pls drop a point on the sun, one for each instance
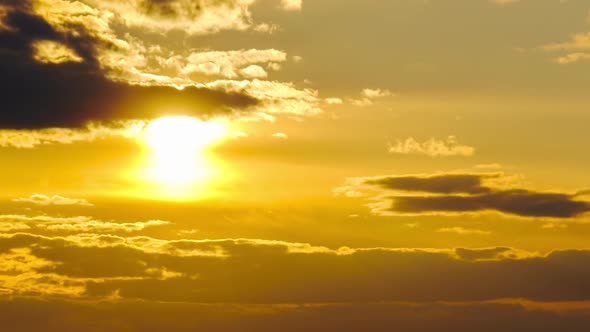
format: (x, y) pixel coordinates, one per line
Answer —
(177, 153)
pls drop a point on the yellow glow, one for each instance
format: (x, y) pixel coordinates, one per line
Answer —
(178, 164)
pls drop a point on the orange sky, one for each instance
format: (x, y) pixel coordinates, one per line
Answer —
(278, 165)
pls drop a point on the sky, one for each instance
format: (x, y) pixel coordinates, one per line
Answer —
(289, 165)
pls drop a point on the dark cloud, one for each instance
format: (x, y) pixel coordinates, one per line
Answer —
(36, 95)
(487, 253)
(25, 315)
(440, 184)
(266, 272)
(518, 202)
(463, 193)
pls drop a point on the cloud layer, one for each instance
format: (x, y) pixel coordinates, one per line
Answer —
(81, 69)
(454, 193)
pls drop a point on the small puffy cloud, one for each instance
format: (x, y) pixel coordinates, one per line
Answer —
(227, 64)
(456, 193)
(46, 51)
(375, 93)
(463, 231)
(368, 97)
(45, 200)
(280, 135)
(292, 5)
(432, 147)
(254, 71)
(333, 101)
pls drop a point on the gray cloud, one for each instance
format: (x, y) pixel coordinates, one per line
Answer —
(464, 193)
(116, 316)
(70, 94)
(264, 272)
(439, 184)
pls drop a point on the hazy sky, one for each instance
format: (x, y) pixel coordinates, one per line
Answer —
(289, 165)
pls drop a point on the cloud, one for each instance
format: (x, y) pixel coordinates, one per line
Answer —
(225, 64)
(280, 135)
(46, 51)
(375, 93)
(572, 58)
(463, 231)
(293, 5)
(92, 226)
(115, 315)
(76, 224)
(250, 271)
(432, 147)
(26, 139)
(6, 227)
(189, 16)
(368, 96)
(187, 284)
(437, 184)
(456, 193)
(45, 200)
(70, 95)
(254, 71)
(574, 50)
(333, 101)
(81, 69)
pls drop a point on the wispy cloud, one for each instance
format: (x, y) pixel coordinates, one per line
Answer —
(45, 200)
(432, 147)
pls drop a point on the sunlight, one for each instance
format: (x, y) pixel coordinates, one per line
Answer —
(178, 163)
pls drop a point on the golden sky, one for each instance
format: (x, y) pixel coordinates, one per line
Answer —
(293, 165)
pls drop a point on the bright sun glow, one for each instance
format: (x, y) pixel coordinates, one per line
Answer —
(178, 160)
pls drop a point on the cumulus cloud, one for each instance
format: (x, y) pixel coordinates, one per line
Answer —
(456, 193)
(81, 69)
(225, 64)
(254, 71)
(368, 96)
(45, 200)
(190, 16)
(432, 147)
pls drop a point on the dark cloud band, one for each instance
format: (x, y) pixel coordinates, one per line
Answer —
(466, 193)
(36, 95)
